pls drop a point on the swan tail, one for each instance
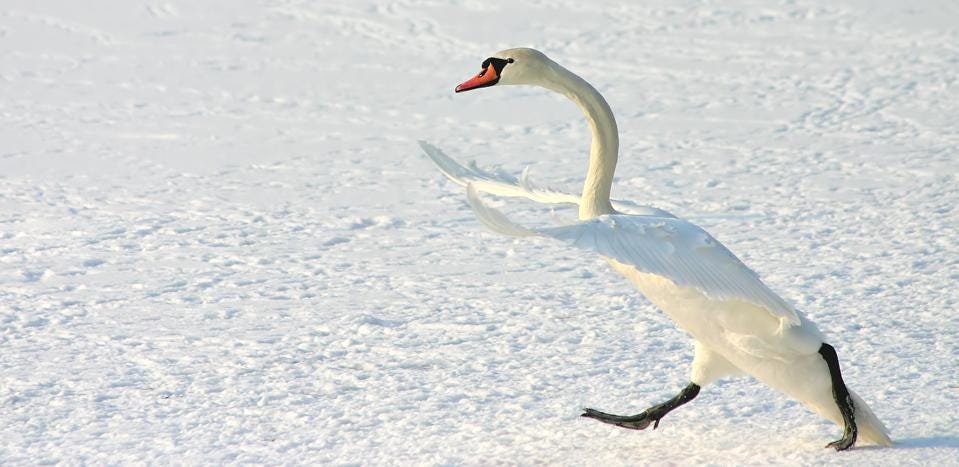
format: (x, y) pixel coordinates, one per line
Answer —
(499, 184)
(493, 219)
(871, 429)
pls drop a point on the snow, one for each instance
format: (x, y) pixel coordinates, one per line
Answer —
(220, 242)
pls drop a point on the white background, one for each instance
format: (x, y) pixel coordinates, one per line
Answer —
(219, 242)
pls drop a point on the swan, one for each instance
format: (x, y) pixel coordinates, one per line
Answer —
(739, 325)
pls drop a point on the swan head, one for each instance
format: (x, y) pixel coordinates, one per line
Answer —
(510, 66)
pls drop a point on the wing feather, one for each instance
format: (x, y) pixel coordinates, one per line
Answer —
(668, 247)
(501, 184)
(674, 249)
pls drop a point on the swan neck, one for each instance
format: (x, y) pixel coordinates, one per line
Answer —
(604, 148)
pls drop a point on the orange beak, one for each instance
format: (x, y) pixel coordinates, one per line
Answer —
(487, 77)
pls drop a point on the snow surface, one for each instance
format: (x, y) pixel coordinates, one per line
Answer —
(220, 243)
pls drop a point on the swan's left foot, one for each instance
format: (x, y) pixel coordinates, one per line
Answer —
(843, 400)
(639, 421)
(649, 416)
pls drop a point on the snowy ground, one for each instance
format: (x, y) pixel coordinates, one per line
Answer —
(220, 243)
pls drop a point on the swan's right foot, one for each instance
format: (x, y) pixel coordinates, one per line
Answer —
(846, 442)
(843, 400)
(649, 416)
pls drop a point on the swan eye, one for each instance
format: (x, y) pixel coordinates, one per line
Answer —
(484, 66)
(498, 63)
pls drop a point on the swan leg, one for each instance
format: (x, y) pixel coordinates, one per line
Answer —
(843, 400)
(709, 366)
(651, 415)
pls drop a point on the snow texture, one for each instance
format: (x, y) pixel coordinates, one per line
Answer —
(221, 244)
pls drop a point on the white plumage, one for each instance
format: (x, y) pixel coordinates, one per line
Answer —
(501, 184)
(665, 246)
(738, 323)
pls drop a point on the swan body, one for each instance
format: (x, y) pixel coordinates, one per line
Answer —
(739, 325)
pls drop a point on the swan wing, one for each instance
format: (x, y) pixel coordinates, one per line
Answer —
(502, 184)
(677, 250)
(499, 184)
(665, 246)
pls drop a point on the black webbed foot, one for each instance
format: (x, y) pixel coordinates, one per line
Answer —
(649, 416)
(846, 442)
(639, 421)
(843, 400)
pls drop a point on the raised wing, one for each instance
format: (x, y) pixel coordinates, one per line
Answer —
(502, 184)
(666, 246)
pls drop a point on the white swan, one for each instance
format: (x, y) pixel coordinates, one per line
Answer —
(739, 325)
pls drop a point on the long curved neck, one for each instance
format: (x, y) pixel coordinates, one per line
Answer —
(603, 150)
